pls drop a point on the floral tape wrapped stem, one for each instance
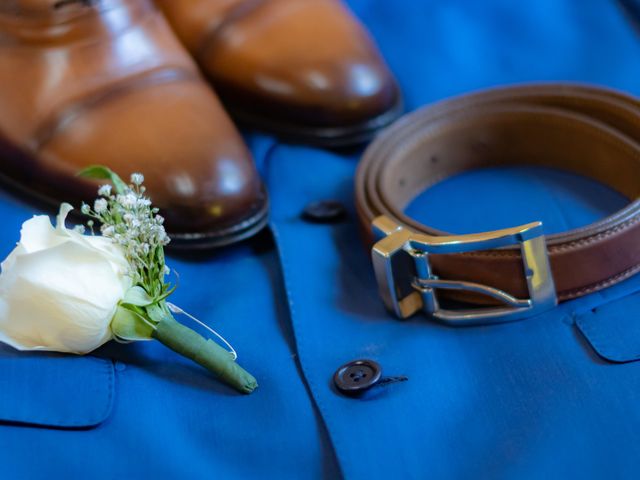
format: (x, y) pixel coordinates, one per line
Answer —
(204, 352)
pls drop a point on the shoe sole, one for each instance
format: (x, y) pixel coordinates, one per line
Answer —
(324, 137)
(242, 230)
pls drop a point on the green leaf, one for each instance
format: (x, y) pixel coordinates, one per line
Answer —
(128, 325)
(101, 172)
(166, 294)
(137, 296)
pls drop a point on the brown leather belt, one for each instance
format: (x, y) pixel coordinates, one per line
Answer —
(517, 272)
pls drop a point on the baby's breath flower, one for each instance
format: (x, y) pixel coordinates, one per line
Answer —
(137, 179)
(129, 220)
(127, 201)
(79, 229)
(100, 205)
(105, 190)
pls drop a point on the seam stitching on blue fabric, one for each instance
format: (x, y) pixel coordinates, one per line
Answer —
(299, 342)
(268, 154)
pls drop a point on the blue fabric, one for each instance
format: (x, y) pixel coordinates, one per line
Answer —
(613, 329)
(48, 379)
(522, 400)
(497, 198)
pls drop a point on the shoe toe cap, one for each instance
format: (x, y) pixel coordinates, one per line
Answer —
(196, 167)
(308, 62)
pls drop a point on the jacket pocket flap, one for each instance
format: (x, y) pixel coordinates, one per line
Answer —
(613, 330)
(53, 390)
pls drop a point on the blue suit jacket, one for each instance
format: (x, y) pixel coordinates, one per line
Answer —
(555, 396)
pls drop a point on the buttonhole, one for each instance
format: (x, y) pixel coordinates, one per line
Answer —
(385, 381)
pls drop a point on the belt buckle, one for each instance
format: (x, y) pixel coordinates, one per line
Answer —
(407, 285)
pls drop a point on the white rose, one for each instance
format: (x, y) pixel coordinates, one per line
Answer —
(60, 289)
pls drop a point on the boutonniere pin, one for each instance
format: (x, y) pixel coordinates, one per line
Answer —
(66, 291)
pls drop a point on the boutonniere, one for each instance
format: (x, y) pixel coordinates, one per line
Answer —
(68, 291)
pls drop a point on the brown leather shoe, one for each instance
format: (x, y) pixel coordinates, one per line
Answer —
(110, 84)
(305, 69)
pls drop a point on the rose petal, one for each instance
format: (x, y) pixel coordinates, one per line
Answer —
(59, 290)
(38, 233)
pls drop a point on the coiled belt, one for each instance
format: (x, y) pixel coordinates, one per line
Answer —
(513, 273)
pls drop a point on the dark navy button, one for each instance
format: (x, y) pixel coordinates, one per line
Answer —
(358, 376)
(324, 211)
